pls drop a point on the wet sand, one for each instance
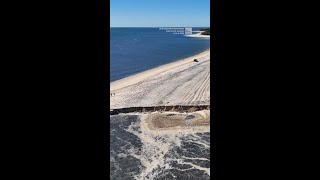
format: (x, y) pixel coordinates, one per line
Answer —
(140, 150)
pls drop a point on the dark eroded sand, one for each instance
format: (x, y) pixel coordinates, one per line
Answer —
(142, 149)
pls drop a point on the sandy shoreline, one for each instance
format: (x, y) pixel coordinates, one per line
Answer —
(183, 82)
(198, 35)
(130, 80)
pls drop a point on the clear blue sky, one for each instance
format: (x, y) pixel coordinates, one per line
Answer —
(160, 13)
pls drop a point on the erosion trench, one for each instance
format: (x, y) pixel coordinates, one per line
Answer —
(170, 117)
(177, 108)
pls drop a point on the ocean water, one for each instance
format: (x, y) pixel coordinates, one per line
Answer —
(134, 50)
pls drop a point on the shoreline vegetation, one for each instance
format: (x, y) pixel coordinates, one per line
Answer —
(206, 31)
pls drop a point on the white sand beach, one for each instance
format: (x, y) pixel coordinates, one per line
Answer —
(198, 35)
(183, 82)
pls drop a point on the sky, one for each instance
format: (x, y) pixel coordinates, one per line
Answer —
(159, 13)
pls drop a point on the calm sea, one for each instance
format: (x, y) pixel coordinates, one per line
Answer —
(134, 50)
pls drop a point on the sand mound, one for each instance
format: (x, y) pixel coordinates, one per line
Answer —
(170, 120)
